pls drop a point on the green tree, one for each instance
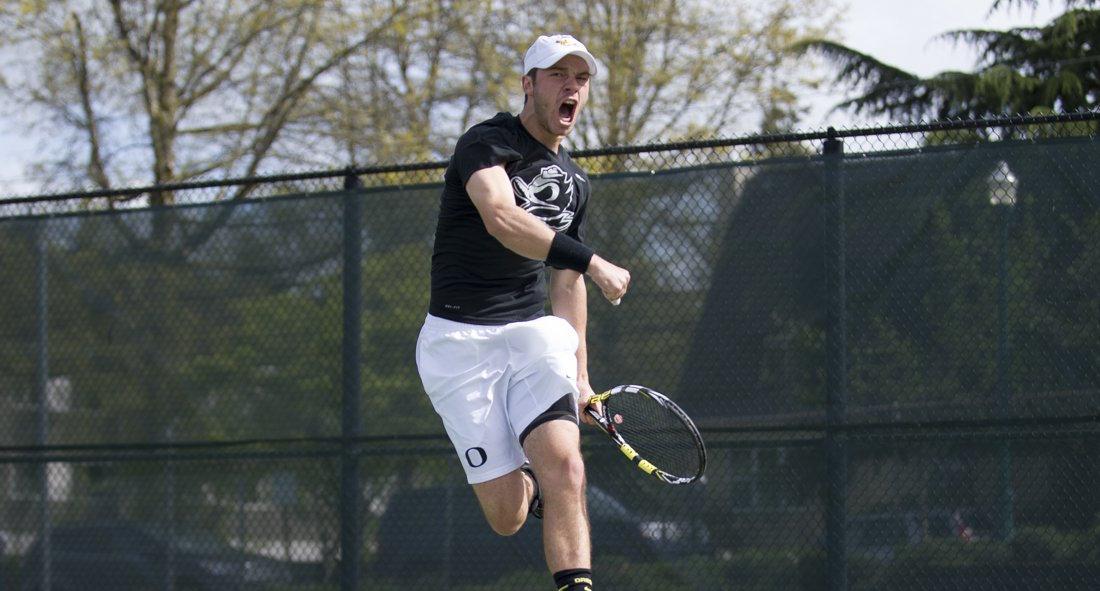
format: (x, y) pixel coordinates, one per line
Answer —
(673, 69)
(175, 90)
(1049, 68)
(171, 91)
(439, 67)
(679, 68)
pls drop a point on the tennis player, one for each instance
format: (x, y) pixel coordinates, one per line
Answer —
(505, 377)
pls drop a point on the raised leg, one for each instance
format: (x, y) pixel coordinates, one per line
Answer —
(555, 454)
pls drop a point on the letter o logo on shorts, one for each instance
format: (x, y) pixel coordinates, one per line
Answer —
(475, 457)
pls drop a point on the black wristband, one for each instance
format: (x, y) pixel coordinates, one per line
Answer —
(568, 253)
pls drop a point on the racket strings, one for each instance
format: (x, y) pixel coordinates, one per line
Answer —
(656, 432)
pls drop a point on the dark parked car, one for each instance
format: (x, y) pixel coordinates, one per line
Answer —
(441, 532)
(121, 556)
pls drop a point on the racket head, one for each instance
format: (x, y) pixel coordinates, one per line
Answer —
(655, 428)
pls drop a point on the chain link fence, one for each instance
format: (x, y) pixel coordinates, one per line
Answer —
(889, 337)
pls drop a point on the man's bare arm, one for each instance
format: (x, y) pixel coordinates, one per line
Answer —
(516, 229)
(526, 235)
(569, 300)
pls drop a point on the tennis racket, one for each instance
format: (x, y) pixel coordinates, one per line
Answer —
(652, 432)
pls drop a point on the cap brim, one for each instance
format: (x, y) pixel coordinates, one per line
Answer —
(555, 58)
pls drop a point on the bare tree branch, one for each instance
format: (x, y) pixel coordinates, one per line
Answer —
(272, 123)
(97, 171)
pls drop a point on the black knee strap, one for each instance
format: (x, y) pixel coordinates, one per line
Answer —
(561, 409)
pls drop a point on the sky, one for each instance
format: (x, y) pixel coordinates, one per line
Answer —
(898, 32)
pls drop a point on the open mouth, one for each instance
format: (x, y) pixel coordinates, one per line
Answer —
(567, 111)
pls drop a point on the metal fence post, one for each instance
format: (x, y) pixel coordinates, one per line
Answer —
(1005, 525)
(836, 453)
(352, 424)
(41, 393)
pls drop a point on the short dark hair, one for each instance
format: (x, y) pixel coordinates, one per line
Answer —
(532, 74)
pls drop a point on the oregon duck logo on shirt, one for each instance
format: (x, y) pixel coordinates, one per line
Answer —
(548, 196)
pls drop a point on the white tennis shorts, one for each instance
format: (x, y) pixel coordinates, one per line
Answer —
(488, 383)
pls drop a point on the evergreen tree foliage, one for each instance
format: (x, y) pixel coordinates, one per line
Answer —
(1053, 68)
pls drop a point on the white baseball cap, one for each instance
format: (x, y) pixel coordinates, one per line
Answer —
(548, 50)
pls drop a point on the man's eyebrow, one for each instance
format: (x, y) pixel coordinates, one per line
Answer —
(566, 70)
(578, 74)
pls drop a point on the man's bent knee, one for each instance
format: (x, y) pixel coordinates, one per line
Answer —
(564, 475)
(554, 449)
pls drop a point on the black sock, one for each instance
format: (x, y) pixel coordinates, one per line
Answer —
(574, 579)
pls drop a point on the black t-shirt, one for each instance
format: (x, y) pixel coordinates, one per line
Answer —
(475, 279)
